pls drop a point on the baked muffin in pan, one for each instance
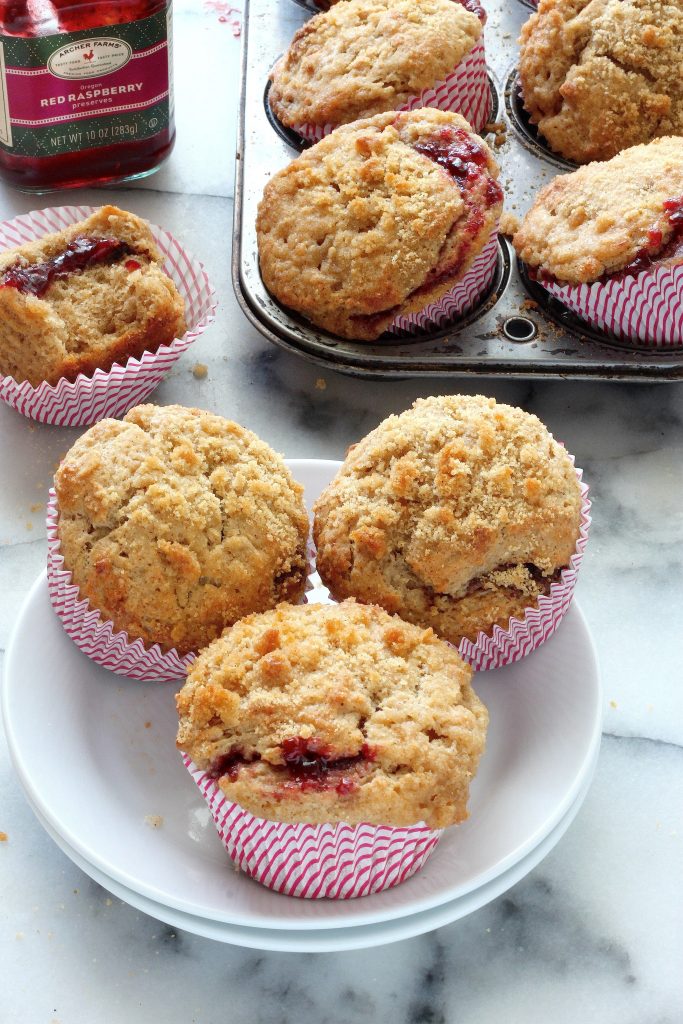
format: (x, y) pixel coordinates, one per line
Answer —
(378, 220)
(599, 76)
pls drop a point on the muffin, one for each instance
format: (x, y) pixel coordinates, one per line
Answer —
(335, 713)
(458, 514)
(378, 220)
(608, 240)
(364, 57)
(598, 76)
(85, 298)
(174, 523)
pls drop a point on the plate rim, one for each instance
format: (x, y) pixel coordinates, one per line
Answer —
(510, 878)
(360, 920)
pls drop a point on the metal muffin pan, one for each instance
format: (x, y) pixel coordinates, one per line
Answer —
(518, 330)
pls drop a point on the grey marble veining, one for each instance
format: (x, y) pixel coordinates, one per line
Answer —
(595, 932)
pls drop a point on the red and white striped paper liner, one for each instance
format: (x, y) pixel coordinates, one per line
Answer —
(96, 636)
(315, 861)
(112, 392)
(465, 91)
(524, 635)
(461, 298)
(646, 308)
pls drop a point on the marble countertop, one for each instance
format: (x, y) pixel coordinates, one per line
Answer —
(595, 932)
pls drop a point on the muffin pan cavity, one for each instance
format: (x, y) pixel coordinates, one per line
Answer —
(525, 131)
(519, 330)
(568, 321)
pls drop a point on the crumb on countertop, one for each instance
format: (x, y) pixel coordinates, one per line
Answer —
(200, 371)
(321, 384)
(148, 725)
(3, 837)
(613, 704)
(154, 820)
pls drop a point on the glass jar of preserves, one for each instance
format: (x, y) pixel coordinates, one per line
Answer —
(86, 91)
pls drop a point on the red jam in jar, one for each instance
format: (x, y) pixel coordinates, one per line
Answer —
(86, 91)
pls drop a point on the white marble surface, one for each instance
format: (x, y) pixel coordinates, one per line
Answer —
(595, 932)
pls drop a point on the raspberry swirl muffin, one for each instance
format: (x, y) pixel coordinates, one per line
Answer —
(615, 218)
(174, 523)
(378, 220)
(335, 713)
(458, 514)
(608, 241)
(598, 76)
(364, 57)
(84, 298)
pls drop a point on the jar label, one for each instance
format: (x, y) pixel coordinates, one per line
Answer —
(78, 90)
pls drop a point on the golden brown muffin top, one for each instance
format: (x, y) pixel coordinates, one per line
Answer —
(440, 510)
(601, 75)
(326, 713)
(175, 522)
(379, 218)
(367, 56)
(598, 219)
(84, 298)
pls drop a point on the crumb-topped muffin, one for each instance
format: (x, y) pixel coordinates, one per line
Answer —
(598, 76)
(175, 522)
(618, 217)
(457, 514)
(329, 713)
(85, 298)
(363, 57)
(377, 220)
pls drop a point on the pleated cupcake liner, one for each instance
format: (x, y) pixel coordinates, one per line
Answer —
(315, 861)
(460, 299)
(97, 637)
(646, 309)
(112, 392)
(526, 634)
(465, 91)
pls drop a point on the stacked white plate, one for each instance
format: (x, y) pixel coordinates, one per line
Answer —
(96, 756)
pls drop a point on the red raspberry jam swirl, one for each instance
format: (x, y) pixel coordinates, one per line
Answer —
(462, 156)
(309, 766)
(82, 252)
(649, 256)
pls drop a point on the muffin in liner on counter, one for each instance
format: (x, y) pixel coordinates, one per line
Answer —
(96, 305)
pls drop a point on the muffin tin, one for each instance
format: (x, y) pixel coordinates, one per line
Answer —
(518, 330)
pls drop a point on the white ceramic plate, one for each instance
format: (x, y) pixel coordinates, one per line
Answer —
(96, 755)
(333, 940)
